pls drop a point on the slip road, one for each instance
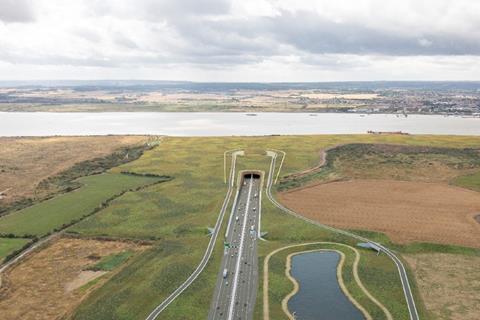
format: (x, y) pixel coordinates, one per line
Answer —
(236, 288)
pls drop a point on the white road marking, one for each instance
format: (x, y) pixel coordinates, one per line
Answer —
(240, 250)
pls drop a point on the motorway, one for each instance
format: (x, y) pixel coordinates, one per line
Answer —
(237, 283)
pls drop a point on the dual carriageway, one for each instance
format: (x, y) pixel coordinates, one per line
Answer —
(237, 281)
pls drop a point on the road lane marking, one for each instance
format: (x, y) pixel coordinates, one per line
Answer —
(240, 250)
(227, 258)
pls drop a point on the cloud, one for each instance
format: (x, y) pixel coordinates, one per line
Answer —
(310, 32)
(16, 11)
(331, 37)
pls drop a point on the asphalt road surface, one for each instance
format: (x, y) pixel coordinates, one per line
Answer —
(236, 288)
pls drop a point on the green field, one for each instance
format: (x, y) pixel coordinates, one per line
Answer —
(53, 214)
(176, 214)
(9, 245)
(110, 262)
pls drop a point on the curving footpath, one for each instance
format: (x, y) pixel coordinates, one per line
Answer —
(208, 253)
(412, 309)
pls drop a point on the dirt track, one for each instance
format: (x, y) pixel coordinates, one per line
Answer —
(405, 211)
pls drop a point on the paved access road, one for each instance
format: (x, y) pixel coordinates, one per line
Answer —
(236, 289)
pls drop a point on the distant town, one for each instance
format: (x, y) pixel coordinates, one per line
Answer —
(402, 98)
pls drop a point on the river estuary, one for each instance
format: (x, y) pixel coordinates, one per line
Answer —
(226, 124)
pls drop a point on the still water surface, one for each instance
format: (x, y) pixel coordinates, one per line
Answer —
(225, 124)
(320, 296)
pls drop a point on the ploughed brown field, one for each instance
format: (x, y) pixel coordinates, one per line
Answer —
(405, 211)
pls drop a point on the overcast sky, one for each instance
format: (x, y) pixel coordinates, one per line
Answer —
(240, 40)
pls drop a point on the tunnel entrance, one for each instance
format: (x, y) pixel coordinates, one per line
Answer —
(252, 175)
(249, 174)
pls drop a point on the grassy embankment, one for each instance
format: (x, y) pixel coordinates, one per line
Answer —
(178, 213)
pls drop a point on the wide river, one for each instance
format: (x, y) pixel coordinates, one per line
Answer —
(225, 124)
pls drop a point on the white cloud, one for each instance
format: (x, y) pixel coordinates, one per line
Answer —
(240, 40)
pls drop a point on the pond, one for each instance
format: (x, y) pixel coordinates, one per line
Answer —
(320, 296)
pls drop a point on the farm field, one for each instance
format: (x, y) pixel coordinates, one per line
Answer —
(449, 283)
(60, 211)
(405, 211)
(50, 282)
(27, 161)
